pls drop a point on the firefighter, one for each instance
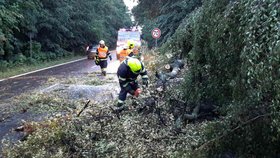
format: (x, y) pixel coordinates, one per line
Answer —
(133, 49)
(102, 53)
(127, 73)
(136, 52)
(130, 45)
(123, 54)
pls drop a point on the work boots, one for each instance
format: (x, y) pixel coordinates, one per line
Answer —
(104, 73)
(119, 108)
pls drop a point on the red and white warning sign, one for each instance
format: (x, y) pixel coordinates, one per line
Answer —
(156, 33)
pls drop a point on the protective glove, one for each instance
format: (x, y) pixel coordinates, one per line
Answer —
(132, 92)
(137, 92)
(145, 82)
(129, 89)
(97, 61)
(110, 57)
(134, 83)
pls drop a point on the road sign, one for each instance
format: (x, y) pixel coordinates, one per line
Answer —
(156, 33)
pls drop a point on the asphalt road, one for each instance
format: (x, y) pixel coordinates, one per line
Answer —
(16, 86)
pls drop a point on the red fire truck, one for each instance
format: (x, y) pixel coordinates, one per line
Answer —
(128, 34)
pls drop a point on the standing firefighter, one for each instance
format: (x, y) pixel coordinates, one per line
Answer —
(102, 54)
(127, 73)
(136, 52)
(122, 54)
(130, 44)
(134, 49)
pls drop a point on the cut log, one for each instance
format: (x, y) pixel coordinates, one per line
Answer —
(202, 110)
(161, 76)
(174, 73)
(175, 68)
(178, 63)
(167, 66)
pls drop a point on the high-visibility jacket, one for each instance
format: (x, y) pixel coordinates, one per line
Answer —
(129, 51)
(103, 52)
(126, 76)
(123, 54)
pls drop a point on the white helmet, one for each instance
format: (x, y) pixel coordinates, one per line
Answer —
(102, 42)
(125, 47)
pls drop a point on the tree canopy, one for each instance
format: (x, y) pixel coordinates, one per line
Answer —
(166, 15)
(232, 49)
(56, 28)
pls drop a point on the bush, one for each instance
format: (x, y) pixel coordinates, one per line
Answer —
(19, 59)
(31, 61)
(4, 65)
(40, 57)
(233, 55)
(50, 56)
(48, 141)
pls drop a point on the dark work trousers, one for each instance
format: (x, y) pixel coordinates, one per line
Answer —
(123, 92)
(103, 64)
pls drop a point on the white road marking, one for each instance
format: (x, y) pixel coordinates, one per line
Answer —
(42, 69)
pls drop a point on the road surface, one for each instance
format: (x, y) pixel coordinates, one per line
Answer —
(16, 86)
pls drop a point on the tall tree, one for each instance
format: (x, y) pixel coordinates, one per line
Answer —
(164, 14)
(47, 29)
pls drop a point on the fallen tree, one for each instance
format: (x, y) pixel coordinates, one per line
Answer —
(181, 111)
(173, 70)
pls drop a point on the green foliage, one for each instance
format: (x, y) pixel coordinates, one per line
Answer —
(233, 55)
(97, 132)
(166, 15)
(34, 28)
(9, 18)
(147, 10)
(53, 145)
(173, 14)
(3, 65)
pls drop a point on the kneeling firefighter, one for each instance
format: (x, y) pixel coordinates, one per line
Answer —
(102, 53)
(127, 73)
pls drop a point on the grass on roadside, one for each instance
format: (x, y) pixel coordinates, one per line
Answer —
(27, 68)
(98, 132)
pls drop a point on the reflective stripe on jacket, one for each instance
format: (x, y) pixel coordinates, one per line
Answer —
(102, 52)
(126, 76)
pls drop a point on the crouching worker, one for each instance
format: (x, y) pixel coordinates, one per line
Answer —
(127, 73)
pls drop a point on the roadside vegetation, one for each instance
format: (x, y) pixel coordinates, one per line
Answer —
(147, 128)
(34, 31)
(24, 68)
(232, 48)
(224, 102)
